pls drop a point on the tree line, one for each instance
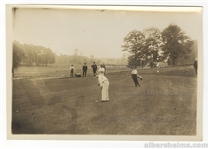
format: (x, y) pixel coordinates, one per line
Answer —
(151, 45)
(28, 55)
(80, 60)
(33, 55)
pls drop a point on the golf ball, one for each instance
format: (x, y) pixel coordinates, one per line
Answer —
(96, 100)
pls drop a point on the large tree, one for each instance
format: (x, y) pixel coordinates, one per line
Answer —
(143, 46)
(153, 44)
(134, 44)
(176, 43)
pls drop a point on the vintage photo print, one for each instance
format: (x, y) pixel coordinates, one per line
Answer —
(104, 72)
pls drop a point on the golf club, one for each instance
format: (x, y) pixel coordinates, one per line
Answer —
(98, 99)
(99, 94)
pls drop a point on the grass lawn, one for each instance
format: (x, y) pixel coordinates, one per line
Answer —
(52, 71)
(165, 104)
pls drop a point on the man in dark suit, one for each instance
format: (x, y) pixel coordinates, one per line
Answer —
(84, 69)
(94, 67)
(195, 65)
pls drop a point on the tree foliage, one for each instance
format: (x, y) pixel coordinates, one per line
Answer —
(176, 43)
(143, 46)
(135, 45)
(28, 54)
(18, 55)
(152, 45)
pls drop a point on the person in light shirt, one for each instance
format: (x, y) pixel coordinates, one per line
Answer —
(101, 70)
(134, 77)
(71, 71)
(104, 84)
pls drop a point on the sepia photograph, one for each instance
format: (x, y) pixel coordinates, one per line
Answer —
(105, 71)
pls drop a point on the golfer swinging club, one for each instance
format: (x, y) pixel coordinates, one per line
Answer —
(104, 84)
(134, 77)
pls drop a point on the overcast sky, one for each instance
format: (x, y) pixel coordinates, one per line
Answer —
(94, 32)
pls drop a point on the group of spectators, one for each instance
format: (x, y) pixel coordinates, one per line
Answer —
(85, 68)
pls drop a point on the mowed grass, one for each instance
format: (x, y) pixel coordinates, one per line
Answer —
(53, 71)
(63, 71)
(165, 104)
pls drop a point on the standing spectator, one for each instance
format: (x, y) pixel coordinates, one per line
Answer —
(84, 69)
(152, 64)
(71, 71)
(195, 65)
(94, 67)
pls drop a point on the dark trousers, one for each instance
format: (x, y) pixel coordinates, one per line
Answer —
(94, 71)
(71, 74)
(134, 77)
(196, 70)
(84, 72)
